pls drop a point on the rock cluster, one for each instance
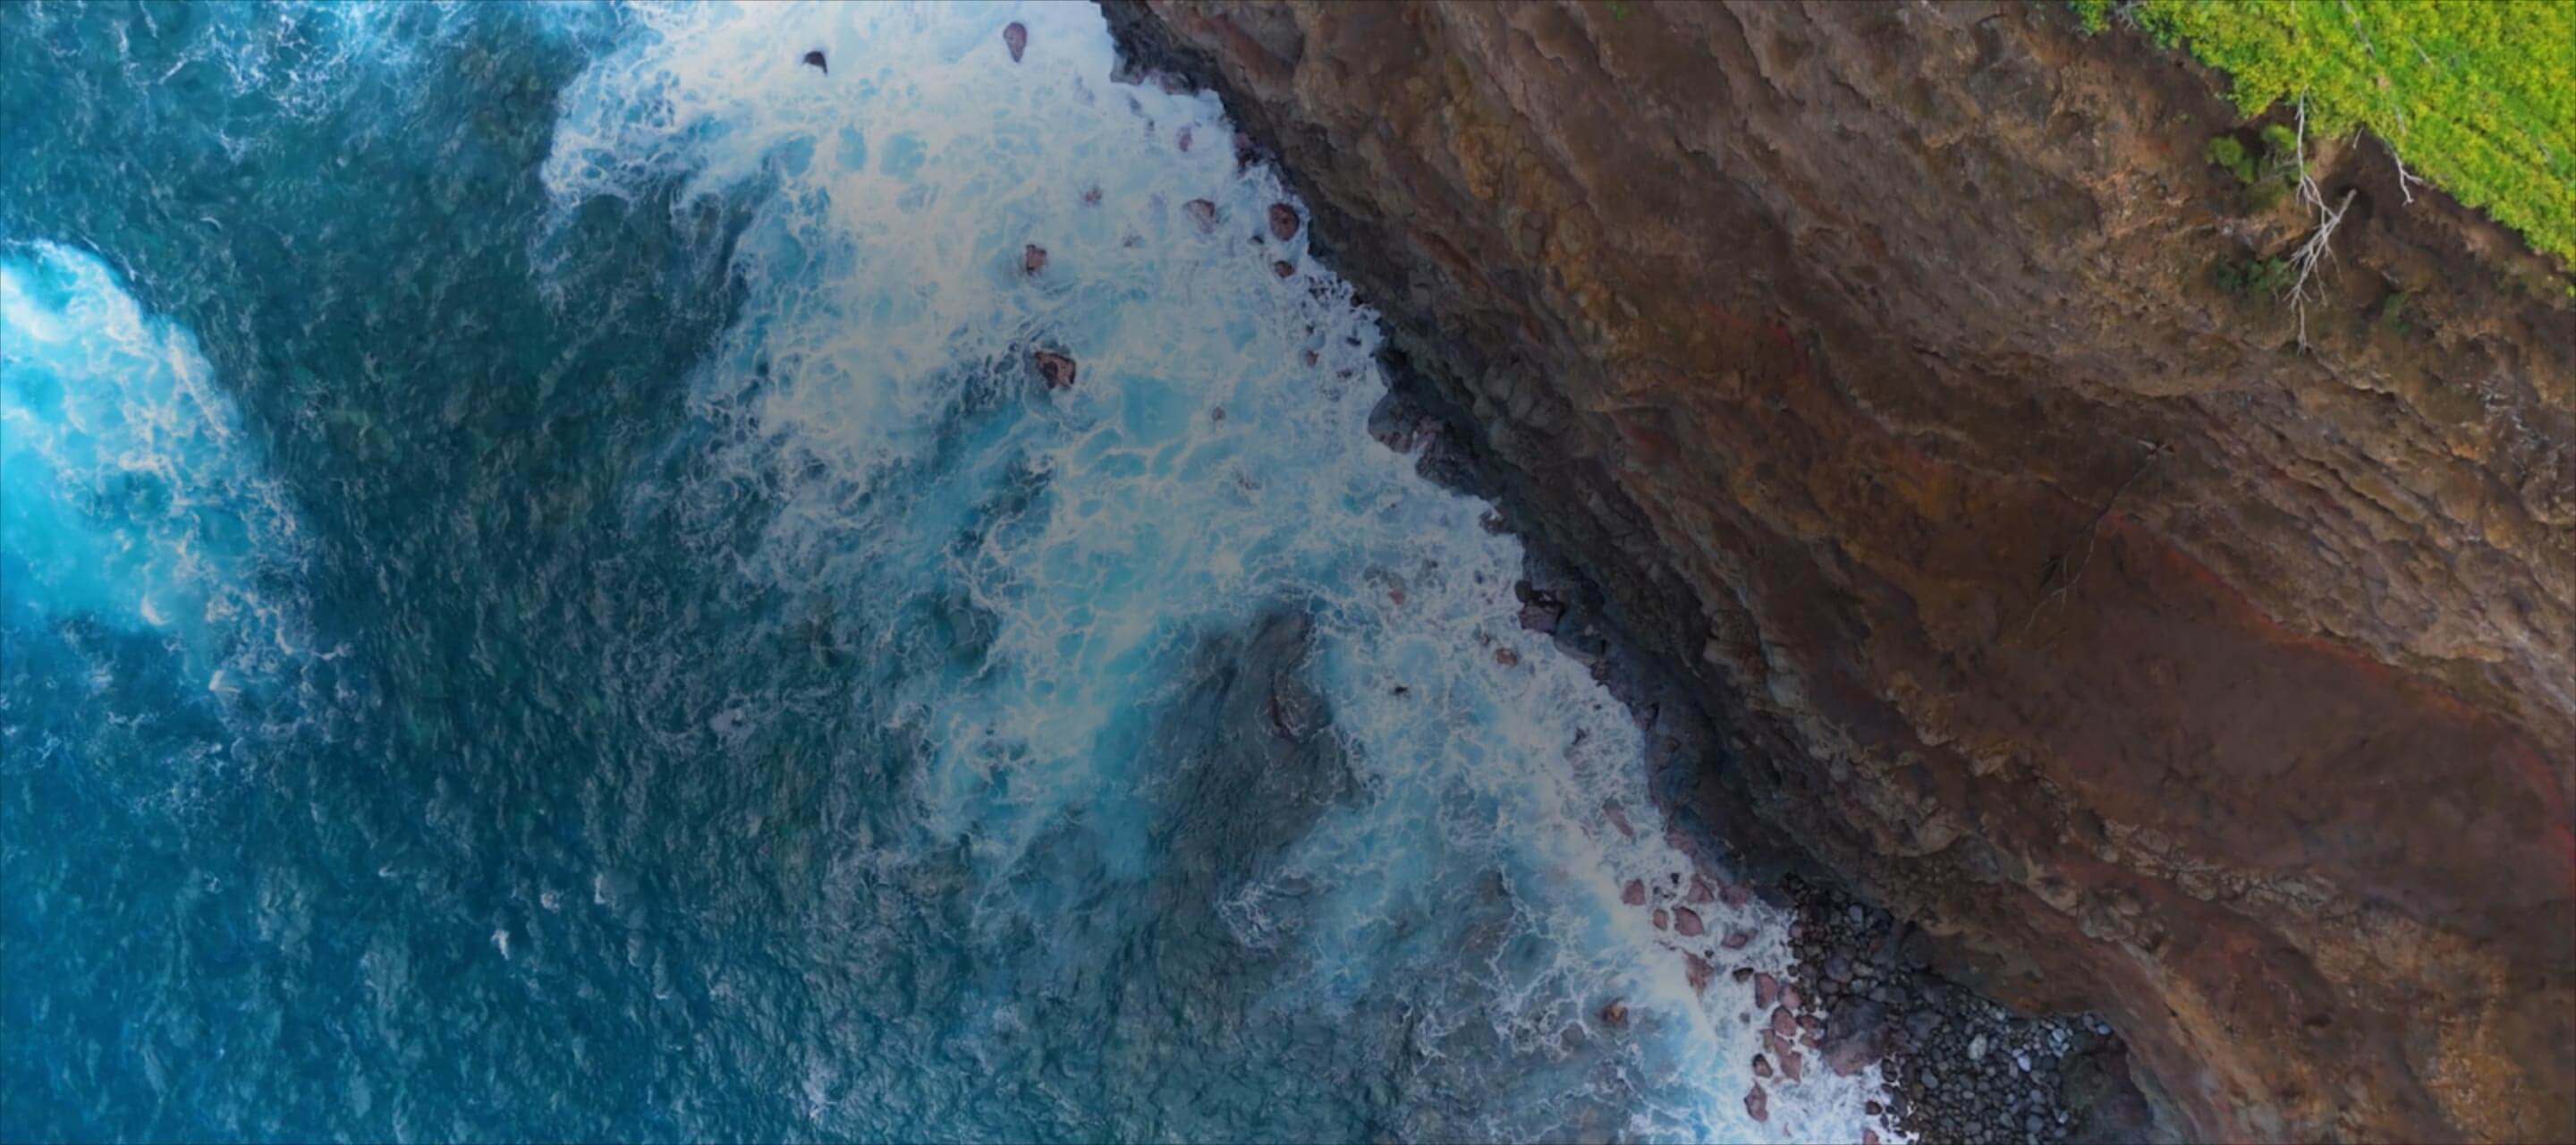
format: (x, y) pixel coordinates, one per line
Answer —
(1958, 1067)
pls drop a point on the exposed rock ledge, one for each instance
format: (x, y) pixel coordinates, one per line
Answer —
(1875, 359)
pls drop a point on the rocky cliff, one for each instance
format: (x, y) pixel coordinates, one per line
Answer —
(1907, 376)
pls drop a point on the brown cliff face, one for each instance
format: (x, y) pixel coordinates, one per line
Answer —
(1877, 359)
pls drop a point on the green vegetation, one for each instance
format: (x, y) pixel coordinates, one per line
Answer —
(2226, 152)
(2394, 316)
(2258, 279)
(2476, 96)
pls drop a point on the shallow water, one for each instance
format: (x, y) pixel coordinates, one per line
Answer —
(543, 600)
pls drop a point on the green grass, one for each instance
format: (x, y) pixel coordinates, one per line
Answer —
(2477, 96)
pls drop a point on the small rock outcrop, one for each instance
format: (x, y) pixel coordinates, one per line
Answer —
(1893, 370)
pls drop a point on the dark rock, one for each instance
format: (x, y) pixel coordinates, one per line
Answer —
(1202, 212)
(1757, 1104)
(1614, 1013)
(1686, 922)
(814, 59)
(1056, 369)
(1283, 221)
(1015, 36)
(1542, 615)
(1033, 258)
(1697, 970)
(1283, 268)
(1852, 1036)
(1635, 893)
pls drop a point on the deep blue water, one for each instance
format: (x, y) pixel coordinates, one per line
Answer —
(541, 599)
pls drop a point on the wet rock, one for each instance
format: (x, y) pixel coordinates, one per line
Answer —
(1184, 138)
(1701, 892)
(1635, 893)
(1283, 268)
(1614, 1013)
(1761, 1065)
(1737, 939)
(1852, 1036)
(1663, 920)
(1618, 817)
(1283, 221)
(1793, 1065)
(1033, 258)
(1697, 970)
(1766, 991)
(1542, 614)
(1686, 922)
(1202, 212)
(1757, 1104)
(1056, 369)
(814, 59)
(1091, 198)
(1015, 36)
(1783, 1022)
(1742, 974)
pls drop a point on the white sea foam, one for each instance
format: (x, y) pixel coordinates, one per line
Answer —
(132, 495)
(1212, 460)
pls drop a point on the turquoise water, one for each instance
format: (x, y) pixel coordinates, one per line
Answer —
(541, 599)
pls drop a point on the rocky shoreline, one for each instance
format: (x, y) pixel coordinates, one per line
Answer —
(1890, 372)
(1958, 1066)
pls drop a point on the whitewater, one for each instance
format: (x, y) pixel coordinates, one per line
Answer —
(547, 594)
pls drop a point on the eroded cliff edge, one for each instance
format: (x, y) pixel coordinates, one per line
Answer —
(1879, 363)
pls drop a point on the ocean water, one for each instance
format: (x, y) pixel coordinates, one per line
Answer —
(543, 599)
